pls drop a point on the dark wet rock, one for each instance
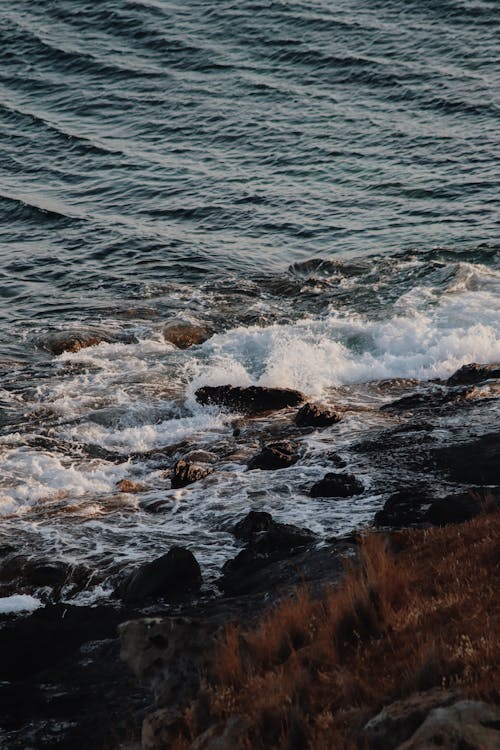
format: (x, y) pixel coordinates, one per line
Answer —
(432, 399)
(336, 460)
(72, 342)
(398, 721)
(183, 334)
(173, 576)
(22, 574)
(74, 339)
(275, 456)
(62, 684)
(466, 725)
(474, 373)
(201, 457)
(186, 472)
(267, 541)
(274, 574)
(269, 535)
(337, 485)
(253, 523)
(251, 400)
(404, 508)
(316, 415)
(453, 509)
(476, 462)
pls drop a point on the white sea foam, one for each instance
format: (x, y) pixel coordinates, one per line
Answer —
(35, 475)
(421, 341)
(18, 603)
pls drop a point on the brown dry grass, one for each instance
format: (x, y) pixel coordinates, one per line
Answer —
(425, 614)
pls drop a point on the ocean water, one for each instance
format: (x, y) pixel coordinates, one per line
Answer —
(316, 182)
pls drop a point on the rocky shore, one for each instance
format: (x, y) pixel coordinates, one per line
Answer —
(126, 675)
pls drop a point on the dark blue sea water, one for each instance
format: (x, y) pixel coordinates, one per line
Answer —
(317, 182)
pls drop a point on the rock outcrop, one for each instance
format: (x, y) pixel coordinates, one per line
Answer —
(187, 472)
(398, 721)
(174, 576)
(316, 415)
(183, 334)
(404, 508)
(476, 462)
(474, 373)
(277, 455)
(467, 725)
(251, 400)
(337, 485)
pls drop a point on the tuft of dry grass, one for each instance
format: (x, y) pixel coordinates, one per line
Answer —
(418, 609)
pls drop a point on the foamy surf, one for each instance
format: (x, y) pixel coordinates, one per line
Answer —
(127, 410)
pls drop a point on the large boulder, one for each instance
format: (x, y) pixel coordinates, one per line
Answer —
(474, 373)
(278, 455)
(187, 472)
(467, 725)
(173, 576)
(337, 484)
(316, 415)
(453, 509)
(170, 654)
(476, 462)
(73, 342)
(268, 542)
(183, 334)
(404, 508)
(398, 721)
(251, 400)
(269, 535)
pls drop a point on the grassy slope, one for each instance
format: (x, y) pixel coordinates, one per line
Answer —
(421, 610)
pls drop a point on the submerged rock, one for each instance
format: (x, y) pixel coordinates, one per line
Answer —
(316, 415)
(187, 472)
(337, 485)
(183, 334)
(278, 455)
(173, 576)
(474, 373)
(251, 400)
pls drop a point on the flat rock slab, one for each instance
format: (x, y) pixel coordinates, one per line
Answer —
(252, 400)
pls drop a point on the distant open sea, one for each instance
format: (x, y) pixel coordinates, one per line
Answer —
(315, 182)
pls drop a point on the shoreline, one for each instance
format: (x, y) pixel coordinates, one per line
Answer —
(71, 668)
